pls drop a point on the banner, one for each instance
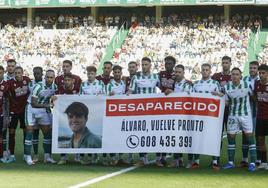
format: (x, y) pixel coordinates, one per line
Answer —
(178, 123)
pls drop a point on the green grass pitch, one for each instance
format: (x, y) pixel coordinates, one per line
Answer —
(18, 174)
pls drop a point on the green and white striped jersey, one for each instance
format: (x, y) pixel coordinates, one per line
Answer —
(206, 86)
(182, 86)
(144, 84)
(43, 92)
(238, 98)
(117, 88)
(31, 86)
(251, 80)
(97, 87)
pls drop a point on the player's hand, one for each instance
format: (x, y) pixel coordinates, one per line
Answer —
(168, 91)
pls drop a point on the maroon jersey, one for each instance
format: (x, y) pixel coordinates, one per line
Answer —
(261, 91)
(167, 80)
(104, 79)
(221, 78)
(18, 94)
(59, 80)
(63, 91)
(3, 93)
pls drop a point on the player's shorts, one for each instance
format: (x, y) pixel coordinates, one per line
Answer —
(37, 116)
(262, 127)
(15, 119)
(237, 123)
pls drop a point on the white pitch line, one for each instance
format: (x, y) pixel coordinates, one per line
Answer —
(101, 178)
(107, 176)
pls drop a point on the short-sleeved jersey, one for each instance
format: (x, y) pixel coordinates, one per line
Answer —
(238, 98)
(43, 93)
(206, 86)
(3, 93)
(223, 79)
(63, 91)
(183, 86)
(144, 84)
(18, 94)
(261, 92)
(95, 88)
(167, 80)
(104, 79)
(117, 88)
(77, 80)
(31, 86)
(251, 80)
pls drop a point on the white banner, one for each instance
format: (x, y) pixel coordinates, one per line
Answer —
(177, 123)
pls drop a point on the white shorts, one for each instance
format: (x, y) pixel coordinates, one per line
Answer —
(37, 116)
(237, 123)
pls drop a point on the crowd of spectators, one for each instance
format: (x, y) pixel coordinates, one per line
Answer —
(48, 48)
(192, 40)
(263, 54)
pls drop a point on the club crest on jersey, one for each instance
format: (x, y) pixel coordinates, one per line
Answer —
(24, 81)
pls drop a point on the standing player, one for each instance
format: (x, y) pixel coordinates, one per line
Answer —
(251, 79)
(18, 95)
(237, 95)
(105, 78)
(261, 92)
(144, 82)
(92, 86)
(11, 64)
(107, 69)
(166, 81)
(132, 69)
(3, 94)
(30, 112)
(116, 87)
(205, 85)
(66, 68)
(68, 88)
(41, 96)
(223, 78)
(180, 85)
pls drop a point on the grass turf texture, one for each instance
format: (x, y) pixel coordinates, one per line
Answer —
(18, 174)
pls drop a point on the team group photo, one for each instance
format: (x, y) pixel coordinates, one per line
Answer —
(133, 93)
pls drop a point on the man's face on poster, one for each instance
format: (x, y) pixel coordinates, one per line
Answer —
(77, 123)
